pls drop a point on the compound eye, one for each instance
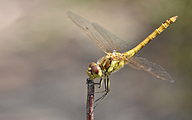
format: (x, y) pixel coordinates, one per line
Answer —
(95, 69)
(91, 65)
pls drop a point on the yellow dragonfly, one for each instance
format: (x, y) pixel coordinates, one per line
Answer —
(115, 56)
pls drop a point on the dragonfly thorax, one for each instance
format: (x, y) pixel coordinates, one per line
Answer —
(94, 71)
(106, 65)
(111, 62)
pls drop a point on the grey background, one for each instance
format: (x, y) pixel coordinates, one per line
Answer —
(43, 60)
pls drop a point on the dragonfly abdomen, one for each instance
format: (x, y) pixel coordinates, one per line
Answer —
(154, 34)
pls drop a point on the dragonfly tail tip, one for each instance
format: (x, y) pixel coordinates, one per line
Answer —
(175, 17)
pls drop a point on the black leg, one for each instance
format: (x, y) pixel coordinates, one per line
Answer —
(107, 88)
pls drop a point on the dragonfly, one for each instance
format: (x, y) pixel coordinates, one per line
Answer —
(116, 53)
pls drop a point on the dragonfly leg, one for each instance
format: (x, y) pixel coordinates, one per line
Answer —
(107, 89)
(99, 85)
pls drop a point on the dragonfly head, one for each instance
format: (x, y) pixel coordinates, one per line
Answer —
(94, 71)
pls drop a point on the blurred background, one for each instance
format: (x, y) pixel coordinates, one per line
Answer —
(43, 60)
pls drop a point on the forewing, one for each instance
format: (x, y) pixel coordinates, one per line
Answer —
(140, 63)
(105, 40)
(113, 41)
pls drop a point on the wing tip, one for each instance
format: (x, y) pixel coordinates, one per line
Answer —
(172, 81)
(68, 12)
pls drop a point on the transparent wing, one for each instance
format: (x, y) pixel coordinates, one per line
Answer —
(140, 63)
(105, 40)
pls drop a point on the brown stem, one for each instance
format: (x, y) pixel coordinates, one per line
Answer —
(90, 99)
